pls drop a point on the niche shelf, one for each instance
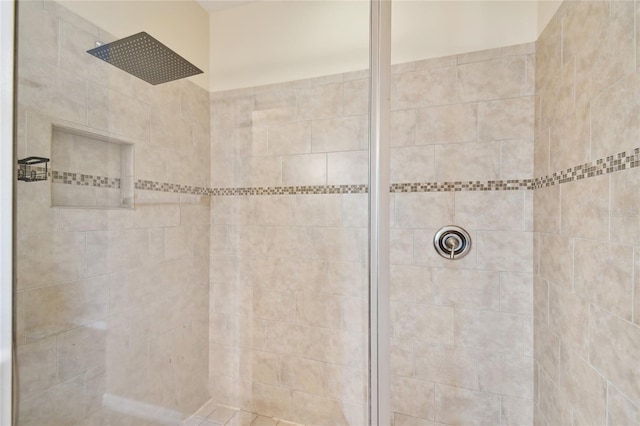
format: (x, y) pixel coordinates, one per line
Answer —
(90, 170)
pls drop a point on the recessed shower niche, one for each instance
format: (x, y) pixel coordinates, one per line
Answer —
(90, 170)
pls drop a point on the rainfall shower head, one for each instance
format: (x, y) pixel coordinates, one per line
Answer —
(146, 58)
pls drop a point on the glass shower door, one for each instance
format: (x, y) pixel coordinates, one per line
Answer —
(196, 254)
(112, 288)
(289, 293)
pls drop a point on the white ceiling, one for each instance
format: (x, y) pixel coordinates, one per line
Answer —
(214, 5)
(272, 41)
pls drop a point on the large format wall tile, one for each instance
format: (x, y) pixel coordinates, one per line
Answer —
(340, 134)
(347, 168)
(410, 211)
(556, 260)
(323, 101)
(569, 319)
(468, 162)
(53, 91)
(308, 169)
(613, 350)
(403, 127)
(53, 309)
(413, 397)
(517, 159)
(604, 275)
(448, 365)
(412, 164)
(491, 331)
(462, 406)
(466, 288)
(506, 119)
(291, 138)
(495, 210)
(621, 410)
(516, 411)
(493, 79)
(425, 323)
(516, 292)
(50, 258)
(624, 207)
(585, 386)
(505, 250)
(615, 121)
(585, 208)
(37, 366)
(447, 124)
(587, 110)
(506, 375)
(436, 86)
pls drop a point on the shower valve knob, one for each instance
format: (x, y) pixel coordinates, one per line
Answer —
(452, 242)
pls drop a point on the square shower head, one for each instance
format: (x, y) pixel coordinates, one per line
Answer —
(146, 58)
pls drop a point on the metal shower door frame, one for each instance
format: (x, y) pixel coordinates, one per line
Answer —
(379, 212)
(7, 25)
(379, 225)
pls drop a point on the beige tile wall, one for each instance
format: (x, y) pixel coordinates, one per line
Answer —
(587, 326)
(112, 305)
(288, 273)
(288, 329)
(461, 331)
(288, 332)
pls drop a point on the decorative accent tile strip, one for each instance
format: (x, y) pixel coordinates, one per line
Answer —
(70, 178)
(292, 190)
(603, 166)
(610, 164)
(491, 185)
(149, 185)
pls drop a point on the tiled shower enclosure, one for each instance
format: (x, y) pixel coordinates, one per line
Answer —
(212, 259)
(462, 342)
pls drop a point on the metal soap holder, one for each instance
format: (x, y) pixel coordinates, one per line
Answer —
(29, 171)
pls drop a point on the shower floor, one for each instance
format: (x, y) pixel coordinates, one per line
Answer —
(212, 414)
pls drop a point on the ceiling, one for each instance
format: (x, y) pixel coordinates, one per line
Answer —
(215, 5)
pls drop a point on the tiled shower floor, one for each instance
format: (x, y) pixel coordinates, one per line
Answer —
(212, 414)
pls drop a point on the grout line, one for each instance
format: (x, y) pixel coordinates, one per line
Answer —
(606, 404)
(548, 142)
(635, 34)
(634, 289)
(609, 208)
(560, 24)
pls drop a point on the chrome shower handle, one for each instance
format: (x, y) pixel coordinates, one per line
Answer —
(452, 242)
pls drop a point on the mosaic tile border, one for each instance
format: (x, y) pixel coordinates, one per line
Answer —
(611, 164)
(70, 178)
(491, 185)
(603, 166)
(149, 185)
(292, 190)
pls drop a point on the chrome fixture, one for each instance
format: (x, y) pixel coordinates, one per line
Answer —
(452, 242)
(146, 58)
